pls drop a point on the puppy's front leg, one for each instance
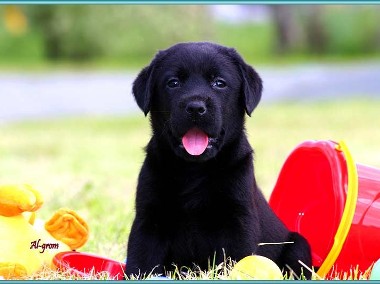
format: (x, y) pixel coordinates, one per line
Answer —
(146, 254)
(298, 251)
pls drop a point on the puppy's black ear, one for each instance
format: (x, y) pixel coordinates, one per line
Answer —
(252, 85)
(142, 88)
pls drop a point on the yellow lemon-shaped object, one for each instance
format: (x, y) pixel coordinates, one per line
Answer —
(256, 267)
(18, 198)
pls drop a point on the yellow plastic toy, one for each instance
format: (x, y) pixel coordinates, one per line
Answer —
(27, 247)
(256, 267)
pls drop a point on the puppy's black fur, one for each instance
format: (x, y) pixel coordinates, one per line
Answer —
(192, 209)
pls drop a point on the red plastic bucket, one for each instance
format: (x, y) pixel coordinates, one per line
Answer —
(333, 202)
(86, 265)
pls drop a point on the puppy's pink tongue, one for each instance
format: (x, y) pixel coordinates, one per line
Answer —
(195, 141)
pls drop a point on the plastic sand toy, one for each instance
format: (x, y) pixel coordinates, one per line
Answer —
(333, 202)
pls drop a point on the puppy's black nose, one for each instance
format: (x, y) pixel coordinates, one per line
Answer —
(195, 108)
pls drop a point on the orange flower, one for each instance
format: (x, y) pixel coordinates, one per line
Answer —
(68, 227)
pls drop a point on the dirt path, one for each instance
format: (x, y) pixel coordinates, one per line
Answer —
(36, 96)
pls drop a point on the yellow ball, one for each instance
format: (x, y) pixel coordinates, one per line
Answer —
(256, 267)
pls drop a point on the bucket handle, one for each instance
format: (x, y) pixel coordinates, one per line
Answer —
(348, 212)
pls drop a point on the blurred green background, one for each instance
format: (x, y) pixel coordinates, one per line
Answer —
(90, 163)
(128, 35)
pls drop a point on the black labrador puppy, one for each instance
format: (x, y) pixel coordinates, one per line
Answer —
(197, 199)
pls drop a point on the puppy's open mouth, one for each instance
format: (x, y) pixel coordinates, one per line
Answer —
(195, 141)
(197, 144)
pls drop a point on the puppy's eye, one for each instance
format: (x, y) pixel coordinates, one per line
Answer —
(219, 83)
(173, 83)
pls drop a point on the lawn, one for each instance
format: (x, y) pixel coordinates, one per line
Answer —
(90, 164)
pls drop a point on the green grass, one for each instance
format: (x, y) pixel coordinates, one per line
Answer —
(90, 164)
(275, 130)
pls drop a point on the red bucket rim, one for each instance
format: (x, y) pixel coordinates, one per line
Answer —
(64, 261)
(337, 162)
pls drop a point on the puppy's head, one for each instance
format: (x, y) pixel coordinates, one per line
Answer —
(197, 94)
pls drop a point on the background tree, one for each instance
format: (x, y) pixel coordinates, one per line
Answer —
(82, 32)
(287, 29)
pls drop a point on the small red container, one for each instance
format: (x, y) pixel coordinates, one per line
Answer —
(85, 265)
(333, 202)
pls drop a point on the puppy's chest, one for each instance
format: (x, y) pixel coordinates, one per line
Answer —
(193, 194)
(187, 218)
(193, 200)
(194, 223)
